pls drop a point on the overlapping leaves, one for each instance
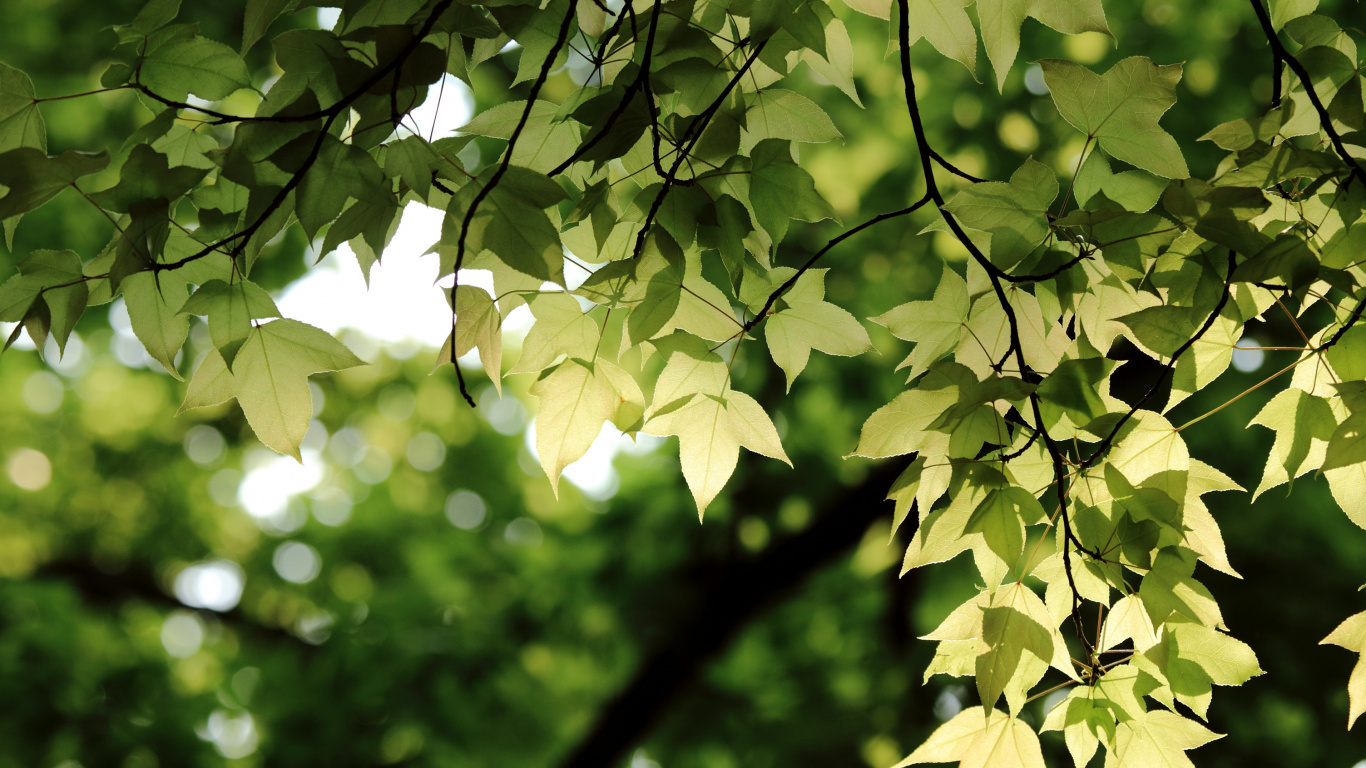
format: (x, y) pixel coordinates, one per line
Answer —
(643, 218)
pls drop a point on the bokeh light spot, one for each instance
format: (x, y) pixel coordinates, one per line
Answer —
(181, 634)
(215, 585)
(204, 444)
(42, 392)
(465, 510)
(297, 562)
(29, 469)
(524, 532)
(1246, 355)
(426, 451)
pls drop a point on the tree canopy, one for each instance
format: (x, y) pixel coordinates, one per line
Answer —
(675, 194)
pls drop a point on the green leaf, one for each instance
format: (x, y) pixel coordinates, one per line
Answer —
(478, 325)
(676, 296)
(1348, 355)
(544, 141)
(1146, 503)
(780, 114)
(1351, 634)
(1074, 388)
(1241, 134)
(1015, 214)
(154, 312)
(258, 17)
(1348, 486)
(1001, 519)
(270, 380)
(1151, 447)
(711, 430)
(1164, 329)
(1160, 738)
(1168, 589)
(779, 190)
(1015, 623)
(153, 16)
(978, 739)
(1304, 424)
(946, 25)
(1205, 360)
(903, 492)
(575, 401)
(148, 175)
(1283, 11)
(1127, 620)
(1348, 444)
(1262, 167)
(837, 65)
(714, 421)
(1345, 248)
(809, 322)
(1225, 660)
(878, 9)
(561, 329)
(1085, 719)
(1120, 109)
(341, 171)
(1135, 191)
(903, 425)
(936, 326)
(230, 310)
(21, 124)
(53, 278)
(1001, 20)
(974, 395)
(1286, 261)
(512, 223)
(33, 178)
(181, 62)
(368, 227)
(1219, 214)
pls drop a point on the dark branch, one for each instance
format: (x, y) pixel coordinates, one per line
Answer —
(685, 146)
(1351, 321)
(955, 170)
(497, 176)
(791, 281)
(996, 275)
(330, 116)
(737, 595)
(112, 590)
(1167, 368)
(1282, 56)
(641, 80)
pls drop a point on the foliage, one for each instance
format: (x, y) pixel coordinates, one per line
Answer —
(670, 175)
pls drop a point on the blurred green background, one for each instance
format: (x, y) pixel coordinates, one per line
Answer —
(171, 594)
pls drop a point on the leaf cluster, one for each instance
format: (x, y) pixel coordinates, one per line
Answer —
(671, 175)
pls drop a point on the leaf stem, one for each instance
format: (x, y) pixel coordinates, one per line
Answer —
(497, 176)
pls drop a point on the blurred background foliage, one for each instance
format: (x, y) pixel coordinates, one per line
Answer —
(172, 594)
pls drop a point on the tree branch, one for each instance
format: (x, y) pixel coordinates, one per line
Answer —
(1284, 57)
(791, 281)
(497, 176)
(97, 587)
(738, 595)
(641, 79)
(996, 275)
(1166, 369)
(685, 146)
(330, 114)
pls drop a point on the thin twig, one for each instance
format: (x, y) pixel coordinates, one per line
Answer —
(787, 285)
(1282, 56)
(497, 176)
